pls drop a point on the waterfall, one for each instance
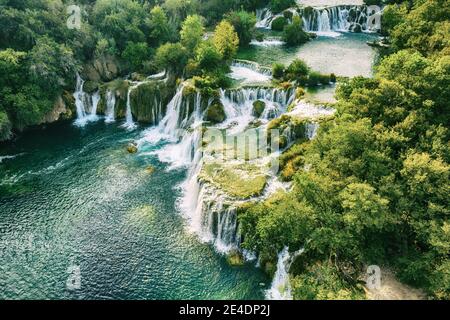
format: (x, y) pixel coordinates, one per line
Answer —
(129, 123)
(335, 18)
(264, 18)
(95, 99)
(250, 72)
(110, 106)
(179, 127)
(86, 105)
(281, 288)
(207, 211)
(238, 105)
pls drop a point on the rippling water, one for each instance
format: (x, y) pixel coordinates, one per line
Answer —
(76, 197)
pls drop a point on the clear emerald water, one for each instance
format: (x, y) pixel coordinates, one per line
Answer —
(345, 55)
(76, 197)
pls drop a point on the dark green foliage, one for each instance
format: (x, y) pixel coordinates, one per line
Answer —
(135, 54)
(294, 34)
(372, 187)
(172, 57)
(244, 24)
(279, 23)
(278, 70)
(280, 5)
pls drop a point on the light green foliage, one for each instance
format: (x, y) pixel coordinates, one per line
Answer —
(192, 32)
(226, 40)
(208, 57)
(244, 25)
(171, 56)
(240, 181)
(161, 30)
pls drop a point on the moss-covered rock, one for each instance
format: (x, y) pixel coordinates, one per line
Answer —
(235, 258)
(5, 126)
(149, 100)
(241, 181)
(132, 147)
(300, 93)
(90, 86)
(150, 169)
(120, 88)
(215, 113)
(289, 128)
(69, 101)
(258, 108)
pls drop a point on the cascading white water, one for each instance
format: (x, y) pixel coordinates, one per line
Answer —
(95, 99)
(335, 18)
(324, 20)
(85, 104)
(238, 105)
(129, 123)
(265, 17)
(205, 210)
(249, 72)
(281, 288)
(110, 106)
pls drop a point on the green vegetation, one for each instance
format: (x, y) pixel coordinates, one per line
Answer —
(300, 73)
(279, 23)
(40, 55)
(280, 5)
(294, 34)
(241, 181)
(244, 25)
(372, 187)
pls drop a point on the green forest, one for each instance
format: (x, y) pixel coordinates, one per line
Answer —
(371, 188)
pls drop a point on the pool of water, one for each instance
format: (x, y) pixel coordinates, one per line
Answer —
(344, 55)
(75, 198)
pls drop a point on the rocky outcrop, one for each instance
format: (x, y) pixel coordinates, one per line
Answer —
(149, 100)
(63, 109)
(258, 108)
(215, 113)
(105, 68)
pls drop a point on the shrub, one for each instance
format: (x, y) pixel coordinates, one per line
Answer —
(294, 34)
(324, 79)
(279, 23)
(299, 93)
(297, 69)
(244, 24)
(314, 79)
(278, 70)
(333, 78)
(288, 14)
